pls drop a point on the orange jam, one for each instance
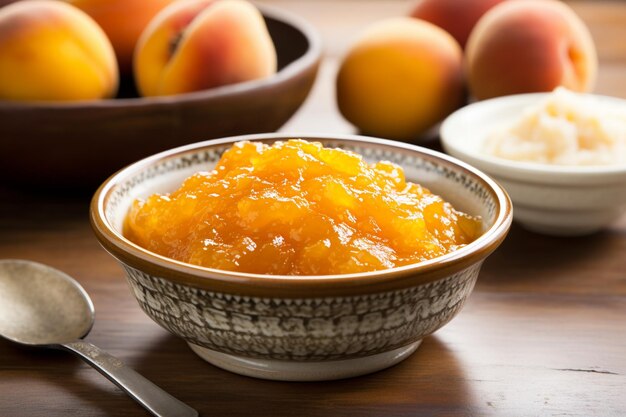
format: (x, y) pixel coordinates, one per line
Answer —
(297, 208)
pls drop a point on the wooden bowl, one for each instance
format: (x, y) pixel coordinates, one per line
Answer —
(79, 144)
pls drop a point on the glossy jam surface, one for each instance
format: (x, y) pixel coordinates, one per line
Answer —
(297, 208)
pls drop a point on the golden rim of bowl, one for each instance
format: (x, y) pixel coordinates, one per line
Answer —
(289, 286)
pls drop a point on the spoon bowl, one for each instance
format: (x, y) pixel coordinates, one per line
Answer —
(42, 306)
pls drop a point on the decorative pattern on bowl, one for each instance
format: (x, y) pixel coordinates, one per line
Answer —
(302, 328)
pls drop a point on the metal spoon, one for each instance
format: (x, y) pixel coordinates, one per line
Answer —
(41, 306)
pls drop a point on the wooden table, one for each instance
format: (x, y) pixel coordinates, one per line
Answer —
(544, 333)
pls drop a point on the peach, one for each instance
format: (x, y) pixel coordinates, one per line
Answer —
(401, 77)
(53, 51)
(199, 44)
(457, 17)
(122, 21)
(530, 46)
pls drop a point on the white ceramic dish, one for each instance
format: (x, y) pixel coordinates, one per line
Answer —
(550, 199)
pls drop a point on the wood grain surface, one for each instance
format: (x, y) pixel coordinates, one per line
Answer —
(543, 334)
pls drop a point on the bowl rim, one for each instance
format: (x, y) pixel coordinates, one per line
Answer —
(232, 282)
(310, 58)
(522, 170)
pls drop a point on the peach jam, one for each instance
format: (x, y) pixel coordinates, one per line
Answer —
(297, 208)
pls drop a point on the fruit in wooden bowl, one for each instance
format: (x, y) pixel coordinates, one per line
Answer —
(122, 21)
(51, 51)
(79, 144)
(530, 46)
(303, 327)
(200, 44)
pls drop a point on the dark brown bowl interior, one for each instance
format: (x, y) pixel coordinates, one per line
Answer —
(80, 144)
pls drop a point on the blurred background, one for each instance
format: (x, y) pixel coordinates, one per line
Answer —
(339, 23)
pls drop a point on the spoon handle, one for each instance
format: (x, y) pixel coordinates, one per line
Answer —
(151, 397)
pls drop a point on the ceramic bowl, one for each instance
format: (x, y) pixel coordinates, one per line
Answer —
(80, 144)
(306, 327)
(549, 199)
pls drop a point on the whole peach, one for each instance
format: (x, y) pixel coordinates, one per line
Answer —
(530, 46)
(122, 21)
(401, 77)
(199, 44)
(457, 17)
(50, 50)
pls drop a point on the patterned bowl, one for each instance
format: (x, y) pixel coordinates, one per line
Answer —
(310, 327)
